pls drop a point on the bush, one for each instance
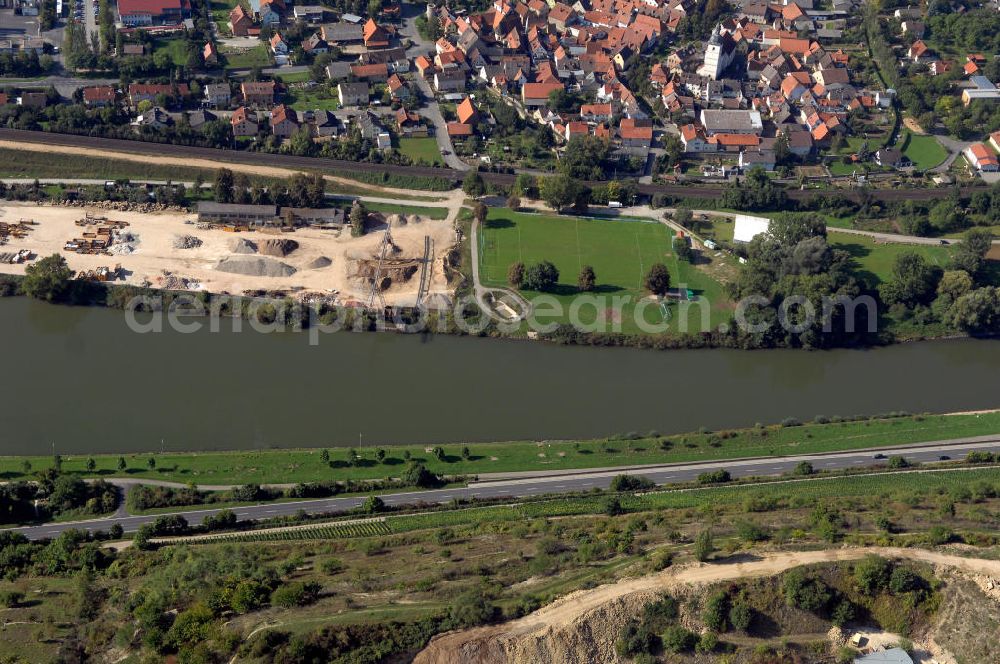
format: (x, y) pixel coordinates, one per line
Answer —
(903, 580)
(750, 532)
(708, 643)
(980, 457)
(871, 574)
(636, 640)
(804, 592)
(631, 483)
(331, 566)
(704, 546)
(676, 639)
(296, 594)
(716, 613)
(715, 477)
(939, 535)
(740, 615)
(11, 598)
(804, 468)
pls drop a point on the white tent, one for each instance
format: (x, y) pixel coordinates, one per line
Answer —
(747, 228)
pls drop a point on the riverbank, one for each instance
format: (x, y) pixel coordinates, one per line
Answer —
(373, 463)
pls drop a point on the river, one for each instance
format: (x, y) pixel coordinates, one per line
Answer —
(80, 380)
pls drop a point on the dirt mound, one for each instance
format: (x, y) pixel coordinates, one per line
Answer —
(239, 245)
(279, 248)
(317, 263)
(255, 267)
(187, 242)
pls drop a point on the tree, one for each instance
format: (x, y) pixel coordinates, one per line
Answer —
(47, 279)
(913, 281)
(953, 285)
(541, 277)
(373, 505)
(704, 546)
(25, 467)
(357, 217)
(479, 211)
(804, 468)
(380, 455)
(151, 463)
(587, 279)
(658, 279)
(416, 474)
(223, 186)
(473, 184)
(324, 456)
(121, 463)
(559, 191)
(514, 202)
(977, 312)
(971, 253)
(683, 217)
(91, 464)
(515, 275)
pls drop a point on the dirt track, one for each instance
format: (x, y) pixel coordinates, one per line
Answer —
(485, 644)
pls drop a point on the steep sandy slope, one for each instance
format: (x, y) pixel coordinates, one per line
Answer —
(581, 627)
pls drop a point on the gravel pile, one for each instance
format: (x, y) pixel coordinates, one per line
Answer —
(255, 267)
(275, 247)
(187, 242)
(318, 263)
(239, 245)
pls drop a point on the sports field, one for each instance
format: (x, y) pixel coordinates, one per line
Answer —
(620, 251)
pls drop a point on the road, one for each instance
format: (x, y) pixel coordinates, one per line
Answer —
(432, 110)
(559, 482)
(154, 150)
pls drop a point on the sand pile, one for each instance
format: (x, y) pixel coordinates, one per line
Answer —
(255, 267)
(239, 245)
(187, 242)
(279, 248)
(318, 263)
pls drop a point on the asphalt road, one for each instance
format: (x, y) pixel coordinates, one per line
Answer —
(565, 482)
(452, 175)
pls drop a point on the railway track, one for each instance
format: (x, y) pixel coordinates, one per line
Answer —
(451, 175)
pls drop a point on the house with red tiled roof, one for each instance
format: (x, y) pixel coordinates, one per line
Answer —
(375, 36)
(459, 130)
(636, 134)
(376, 73)
(138, 92)
(284, 122)
(240, 22)
(995, 140)
(596, 112)
(537, 94)
(919, 51)
(466, 111)
(244, 122)
(99, 96)
(982, 158)
(134, 13)
(209, 54)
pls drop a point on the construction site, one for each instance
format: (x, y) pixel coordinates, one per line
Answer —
(398, 262)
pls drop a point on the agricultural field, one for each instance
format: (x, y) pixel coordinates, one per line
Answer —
(289, 466)
(421, 150)
(620, 252)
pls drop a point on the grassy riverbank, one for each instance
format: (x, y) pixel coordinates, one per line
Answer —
(306, 465)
